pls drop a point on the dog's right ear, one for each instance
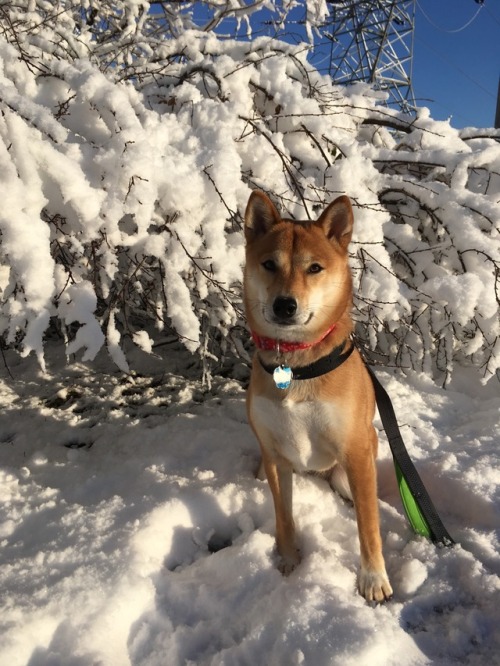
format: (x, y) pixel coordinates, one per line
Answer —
(260, 215)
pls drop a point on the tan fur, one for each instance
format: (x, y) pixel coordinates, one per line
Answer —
(322, 424)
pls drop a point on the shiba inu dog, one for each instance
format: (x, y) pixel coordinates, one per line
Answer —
(310, 401)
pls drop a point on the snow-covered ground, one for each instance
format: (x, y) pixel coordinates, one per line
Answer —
(133, 531)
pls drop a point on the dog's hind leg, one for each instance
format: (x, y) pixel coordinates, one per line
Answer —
(261, 471)
(337, 478)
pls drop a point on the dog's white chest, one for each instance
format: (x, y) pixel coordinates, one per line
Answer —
(305, 433)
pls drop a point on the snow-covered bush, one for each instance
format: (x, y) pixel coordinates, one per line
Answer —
(127, 159)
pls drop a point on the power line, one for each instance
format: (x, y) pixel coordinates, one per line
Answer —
(438, 27)
(450, 62)
(492, 15)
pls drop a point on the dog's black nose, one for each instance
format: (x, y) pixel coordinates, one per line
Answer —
(285, 307)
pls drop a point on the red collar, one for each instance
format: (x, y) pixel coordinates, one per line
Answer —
(284, 346)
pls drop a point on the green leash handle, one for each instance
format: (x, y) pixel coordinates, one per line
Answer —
(417, 504)
(410, 506)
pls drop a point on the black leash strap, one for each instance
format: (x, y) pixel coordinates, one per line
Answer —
(403, 463)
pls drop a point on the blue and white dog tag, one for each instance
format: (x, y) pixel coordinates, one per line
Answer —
(283, 376)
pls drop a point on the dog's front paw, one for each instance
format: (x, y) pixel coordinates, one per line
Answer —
(374, 586)
(287, 563)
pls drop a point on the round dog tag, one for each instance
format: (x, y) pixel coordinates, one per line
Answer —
(283, 376)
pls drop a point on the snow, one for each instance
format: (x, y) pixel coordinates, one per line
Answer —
(133, 530)
(78, 305)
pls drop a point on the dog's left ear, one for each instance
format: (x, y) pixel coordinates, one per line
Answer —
(260, 215)
(337, 221)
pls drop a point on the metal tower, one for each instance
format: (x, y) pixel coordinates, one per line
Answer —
(372, 41)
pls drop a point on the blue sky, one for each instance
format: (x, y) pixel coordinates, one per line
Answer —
(458, 71)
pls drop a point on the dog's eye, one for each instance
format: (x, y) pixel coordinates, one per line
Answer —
(269, 265)
(315, 268)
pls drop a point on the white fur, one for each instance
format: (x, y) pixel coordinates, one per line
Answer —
(306, 431)
(338, 481)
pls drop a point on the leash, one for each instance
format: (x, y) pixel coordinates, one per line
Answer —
(417, 504)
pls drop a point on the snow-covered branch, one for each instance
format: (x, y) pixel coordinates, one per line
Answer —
(124, 193)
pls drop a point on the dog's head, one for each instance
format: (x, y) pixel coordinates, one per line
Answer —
(297, 279)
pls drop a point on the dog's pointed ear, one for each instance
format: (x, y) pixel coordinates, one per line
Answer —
(337, 221)
(260, 215)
